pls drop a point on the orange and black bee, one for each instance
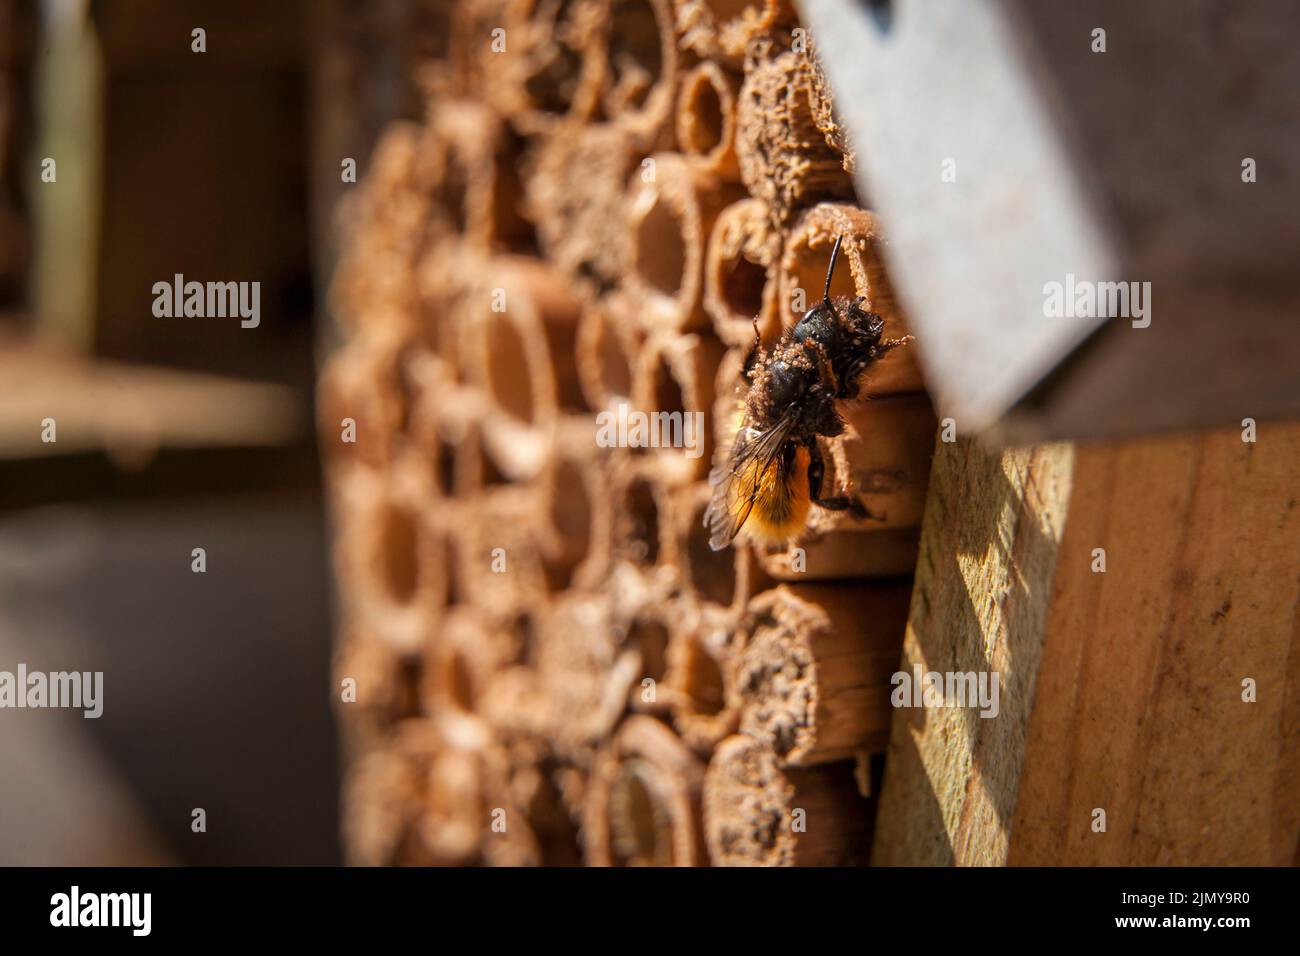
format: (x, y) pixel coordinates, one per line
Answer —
(775, 470)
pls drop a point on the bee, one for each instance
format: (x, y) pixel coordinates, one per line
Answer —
(774, 472)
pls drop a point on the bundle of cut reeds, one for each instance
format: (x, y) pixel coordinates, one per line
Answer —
(542, 661)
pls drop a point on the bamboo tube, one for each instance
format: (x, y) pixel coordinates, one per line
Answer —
(415, 803)
(379, 802)
(883, 457)
(519, 348)
(478, 809)
(756, 814)
(509, 835)
(803, 266)
(513, 702)
(542, 788)
(391, 306)
(741, 279)
(402, 169)
(475, 475)
(721, 581)
(498, 555)
(696, 684)
(729, 391)
(640, 61)
(639, 515)
(516, 845)
(472, 187)
(508, 229)
(373, 283)
(459, 667)
(394, 165)
(577, 196)
(454, 813)
(479, 192)
(671, 211)
(784, 158)
(585, 676)
(390, 559)
(444, 276)
(647, 634)
(751, 578)
(675, 378)
(362, 384)
(638, 595)
(706, 118)
(632, 587)
(821, 103)
(519, 633)
(724, 28)
(385, 683)
(711, 576)
(577, 526)
(425, 801)
(438, 424)
(473, 65)
(548, 66)
(812, 673)
(451, 825)
(643, 797)
(841, 555)
(514, 706)
(457, 141)
(606, 353)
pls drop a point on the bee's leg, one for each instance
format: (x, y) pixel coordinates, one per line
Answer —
(887, 345)
(850, 383)
(747, 370)
(849, 503)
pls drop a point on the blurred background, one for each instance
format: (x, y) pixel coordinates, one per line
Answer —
(171, 435)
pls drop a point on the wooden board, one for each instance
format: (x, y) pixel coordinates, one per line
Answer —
(132, 411)
(1139, 707)
(988, 549)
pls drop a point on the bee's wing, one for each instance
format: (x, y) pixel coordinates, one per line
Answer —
(736, 482)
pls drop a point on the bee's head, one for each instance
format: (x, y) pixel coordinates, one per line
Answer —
(786, 383)
(819, 324)
(865, 327)
(823, 323)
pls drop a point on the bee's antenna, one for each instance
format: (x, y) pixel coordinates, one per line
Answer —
(830, 271)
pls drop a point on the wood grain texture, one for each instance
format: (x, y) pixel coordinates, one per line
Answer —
(1139, 708)
(1136, 707)
(988, 550)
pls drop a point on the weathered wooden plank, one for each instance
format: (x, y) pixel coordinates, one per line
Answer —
(988, 549)
(1139, 707)
(57, 404)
